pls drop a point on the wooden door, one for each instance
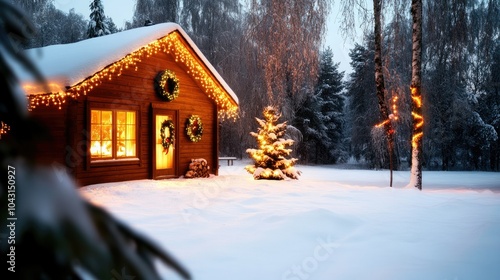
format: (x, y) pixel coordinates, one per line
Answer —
(165, 159)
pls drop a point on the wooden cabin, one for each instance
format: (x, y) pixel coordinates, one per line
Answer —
(139, 104)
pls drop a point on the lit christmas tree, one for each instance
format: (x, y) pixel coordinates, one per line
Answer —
(270, 158)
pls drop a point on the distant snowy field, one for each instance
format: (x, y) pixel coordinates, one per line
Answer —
(330, 224)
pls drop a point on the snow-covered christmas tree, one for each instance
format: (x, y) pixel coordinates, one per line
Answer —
(270, 158)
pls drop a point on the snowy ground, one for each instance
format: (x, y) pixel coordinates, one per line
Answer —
(330, 224)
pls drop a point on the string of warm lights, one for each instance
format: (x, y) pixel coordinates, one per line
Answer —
(171, 43)
(394, 115)
(4, 128)
(417, 100)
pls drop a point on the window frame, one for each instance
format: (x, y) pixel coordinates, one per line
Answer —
(114, 107)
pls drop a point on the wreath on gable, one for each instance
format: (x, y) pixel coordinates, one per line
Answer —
(166, 141)
(167, 85)
(194, 128)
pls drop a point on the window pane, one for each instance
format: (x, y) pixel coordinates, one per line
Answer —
(131, 132)
(95, 132)
(130, 117)
(107, 149)
(107, 117)
(121, 117)
(101, 127)
(121, 132)
(107, 132)
(126, 134)
(95, 149)
(95, 116)
(131, 148)
(120, 149)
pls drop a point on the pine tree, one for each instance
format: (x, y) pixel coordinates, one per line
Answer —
(165, 11)
(362, 110)
(271, 157)
(320, 118)
(112, 28)
(311, 123)
(97, 25)
(329, 89)
(74, 28)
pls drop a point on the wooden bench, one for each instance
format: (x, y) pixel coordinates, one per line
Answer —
(229, 160)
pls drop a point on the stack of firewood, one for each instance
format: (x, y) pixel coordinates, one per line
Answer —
(198, 168)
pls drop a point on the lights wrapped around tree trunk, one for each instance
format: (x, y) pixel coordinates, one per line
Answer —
(270, 159)
(417, 117)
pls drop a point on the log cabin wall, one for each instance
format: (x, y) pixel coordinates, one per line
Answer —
(52, 148)
(70, 125)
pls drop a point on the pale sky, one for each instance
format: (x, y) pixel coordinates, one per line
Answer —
(123, 10)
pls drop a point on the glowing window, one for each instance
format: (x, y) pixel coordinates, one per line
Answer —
(112, 134)
(125, 134)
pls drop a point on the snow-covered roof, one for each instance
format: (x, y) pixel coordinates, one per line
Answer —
(67, 65)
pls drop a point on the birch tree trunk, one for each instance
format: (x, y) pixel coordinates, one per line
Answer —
(380, 83)
(416, 82)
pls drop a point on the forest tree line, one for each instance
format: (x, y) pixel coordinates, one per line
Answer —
(461, 87)
(333, 116)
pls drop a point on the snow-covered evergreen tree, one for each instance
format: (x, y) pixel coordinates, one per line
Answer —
(165, 11)
(270, 159)
(311, 122)
(362, 109)
(321, 117)
(74, 28)
(112, 28)
(329, 89)
(97, 24)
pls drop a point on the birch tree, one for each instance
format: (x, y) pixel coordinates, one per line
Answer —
(380, 84)
(347, 26)
(416, 95)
